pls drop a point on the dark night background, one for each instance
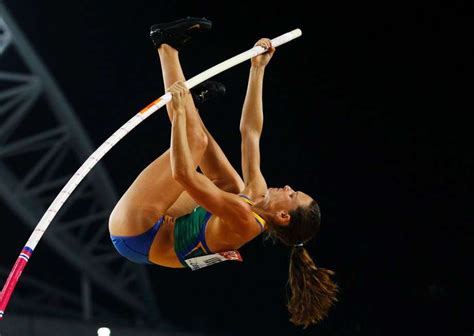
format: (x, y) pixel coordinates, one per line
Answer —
(367, 111)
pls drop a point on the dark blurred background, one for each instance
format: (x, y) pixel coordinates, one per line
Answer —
(367, 111)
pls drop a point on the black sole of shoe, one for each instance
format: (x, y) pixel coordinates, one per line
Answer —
(179, 24)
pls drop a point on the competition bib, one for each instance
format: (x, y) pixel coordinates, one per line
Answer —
(211, 259)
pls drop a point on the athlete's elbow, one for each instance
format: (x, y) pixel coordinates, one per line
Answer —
(250, 133)
(181, 175)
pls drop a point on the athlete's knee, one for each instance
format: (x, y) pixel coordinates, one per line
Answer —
(233, 185)
(236, 185)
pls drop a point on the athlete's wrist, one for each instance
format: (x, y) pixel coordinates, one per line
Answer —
(258, 66)
(257, 70)
(180, 111)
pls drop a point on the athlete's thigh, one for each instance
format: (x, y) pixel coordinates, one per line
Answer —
(155, 186)
(150, 196)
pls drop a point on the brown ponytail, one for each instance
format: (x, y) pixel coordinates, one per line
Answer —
(312, 291)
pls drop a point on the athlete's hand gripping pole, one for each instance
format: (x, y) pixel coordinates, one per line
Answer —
(71, 185)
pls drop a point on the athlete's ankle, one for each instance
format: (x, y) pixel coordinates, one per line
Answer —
(167, 50)
(166, 47)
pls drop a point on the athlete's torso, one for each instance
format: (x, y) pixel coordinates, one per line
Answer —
(219, 237)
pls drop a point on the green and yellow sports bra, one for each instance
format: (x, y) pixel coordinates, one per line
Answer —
(189, 232)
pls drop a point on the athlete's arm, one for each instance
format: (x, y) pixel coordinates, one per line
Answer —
(223, 204)
(251, 123)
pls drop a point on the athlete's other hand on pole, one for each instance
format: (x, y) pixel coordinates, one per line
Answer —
(263, 59)
(179, 92)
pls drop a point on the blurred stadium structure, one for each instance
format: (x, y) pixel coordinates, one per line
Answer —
(36, 160)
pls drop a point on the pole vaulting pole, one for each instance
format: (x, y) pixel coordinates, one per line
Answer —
(86, 167)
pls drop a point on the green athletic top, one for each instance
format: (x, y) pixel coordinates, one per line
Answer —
(190, 229)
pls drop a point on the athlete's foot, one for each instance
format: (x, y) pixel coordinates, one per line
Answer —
(206, 91)
(178, 33)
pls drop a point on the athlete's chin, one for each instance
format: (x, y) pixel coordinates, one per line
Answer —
(270, 192)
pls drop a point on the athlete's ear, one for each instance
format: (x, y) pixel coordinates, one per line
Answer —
(283, 218)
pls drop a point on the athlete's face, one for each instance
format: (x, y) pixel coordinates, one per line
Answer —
(283, 200)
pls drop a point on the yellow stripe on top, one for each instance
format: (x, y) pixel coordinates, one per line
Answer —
(258, 218)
